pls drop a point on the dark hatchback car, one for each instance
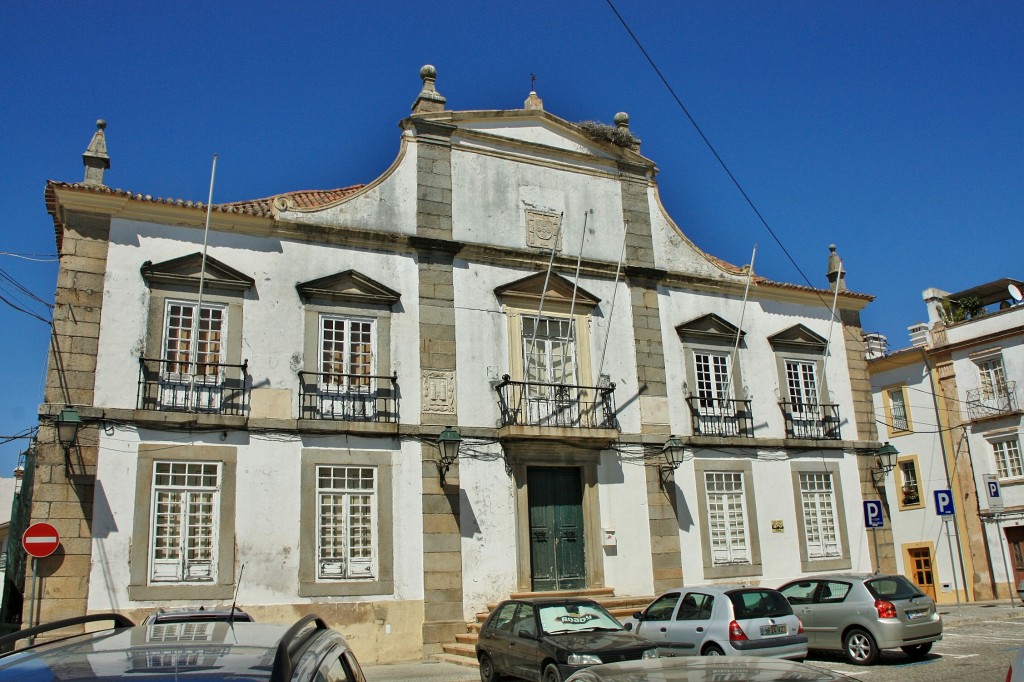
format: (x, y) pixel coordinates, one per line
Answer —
(208, 651)
(546, 639)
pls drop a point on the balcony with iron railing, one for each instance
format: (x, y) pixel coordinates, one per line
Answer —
(992, 401)
(811, 421)
(723, 417)
(348, 397)
(201, 387)
(545, 405)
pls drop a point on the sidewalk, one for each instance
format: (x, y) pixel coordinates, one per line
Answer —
(438, 671)
(980, 610)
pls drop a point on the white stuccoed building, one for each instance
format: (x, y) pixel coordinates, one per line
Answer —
(951, 405)
(511, 283)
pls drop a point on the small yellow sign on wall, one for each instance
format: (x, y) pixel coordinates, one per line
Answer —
(778, 526)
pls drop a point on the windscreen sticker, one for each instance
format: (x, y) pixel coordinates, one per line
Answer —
(581, 619)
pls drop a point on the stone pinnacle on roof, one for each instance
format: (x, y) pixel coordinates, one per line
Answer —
(429, 100)
(836, 273)
(95, 156)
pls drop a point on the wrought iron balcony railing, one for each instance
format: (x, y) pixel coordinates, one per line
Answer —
(720, 417)
(210, 387)
(992, 401)
(348, 397)
(812, 421)
(531, 403)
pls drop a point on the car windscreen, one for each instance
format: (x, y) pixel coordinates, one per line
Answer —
(562, 618)
(759, 604)
(892, 587)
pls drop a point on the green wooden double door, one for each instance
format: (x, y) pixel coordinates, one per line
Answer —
(557, 557)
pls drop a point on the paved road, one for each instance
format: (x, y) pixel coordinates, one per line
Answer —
(977, 645)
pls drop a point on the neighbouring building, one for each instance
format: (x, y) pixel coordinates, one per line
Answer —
(511, 285)
(950, 404)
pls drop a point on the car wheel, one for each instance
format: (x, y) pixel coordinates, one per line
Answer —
(487, 671)
(551, 674)
(712, 650)
(859, 647)
(917, 650)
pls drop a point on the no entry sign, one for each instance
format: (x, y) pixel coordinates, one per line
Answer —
(40, 539)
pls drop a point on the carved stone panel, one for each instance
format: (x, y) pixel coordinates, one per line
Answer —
(438, 392)
(542, 230)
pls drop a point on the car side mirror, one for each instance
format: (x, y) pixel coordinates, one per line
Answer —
(638, 615)
(628, 627)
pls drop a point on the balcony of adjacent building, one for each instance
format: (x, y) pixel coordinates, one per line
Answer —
(532, 409)
(811, 421)
(354, 399)
(210, 393)
(992, 401)
(720, 417)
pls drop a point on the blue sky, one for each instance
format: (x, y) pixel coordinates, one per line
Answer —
(892, 129)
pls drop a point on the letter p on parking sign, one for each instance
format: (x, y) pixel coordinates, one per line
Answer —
(944, 502)
(873, 514)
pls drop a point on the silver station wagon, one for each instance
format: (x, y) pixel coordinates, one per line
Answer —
(861, 614)
(722, 621)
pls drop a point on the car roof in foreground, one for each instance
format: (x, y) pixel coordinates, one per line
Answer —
(164, 651)
(702, 669)
(543, 601)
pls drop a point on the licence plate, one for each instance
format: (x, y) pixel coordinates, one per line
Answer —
(769, 630)
(914, 615)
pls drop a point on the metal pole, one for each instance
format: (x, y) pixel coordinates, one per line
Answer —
(952, 566)
(1006, 567)
(32, 599)
(874, 538)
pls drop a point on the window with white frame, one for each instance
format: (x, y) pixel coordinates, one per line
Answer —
(711, 373)
(186, 500)
(183, 339)
(821, 533)
(910, 493)
(992, 377)
(802, 384)
(1008, 460)
(898, 410)
(549, 368)
(727, 517)
(346, 353)
(347, 521)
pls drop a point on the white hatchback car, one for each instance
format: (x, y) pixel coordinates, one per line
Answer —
(722, 621)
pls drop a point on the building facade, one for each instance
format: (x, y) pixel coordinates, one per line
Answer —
(264, 409)
(950, 404)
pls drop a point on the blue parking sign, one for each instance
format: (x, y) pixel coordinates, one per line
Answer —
(944, 502)
(873, 514)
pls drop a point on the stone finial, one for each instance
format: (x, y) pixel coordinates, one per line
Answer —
(95, 156)
(836, 273)
(621, 120)
(533, 102)
(429, 100)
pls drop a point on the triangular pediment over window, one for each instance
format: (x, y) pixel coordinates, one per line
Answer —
(187, 271)
(798, 338)
(709, 328)
(348, 287)
(527, 293)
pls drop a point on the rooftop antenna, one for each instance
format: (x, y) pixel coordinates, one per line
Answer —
(1015, 293)
(234, 598)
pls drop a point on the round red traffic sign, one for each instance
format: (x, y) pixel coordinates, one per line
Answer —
(40, 539)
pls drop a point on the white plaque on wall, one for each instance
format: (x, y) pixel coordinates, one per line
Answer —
(438, 391)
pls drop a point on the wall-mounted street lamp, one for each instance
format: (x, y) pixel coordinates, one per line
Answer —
(68, 423)
(673, 451)
(448, 443)
(885, 461)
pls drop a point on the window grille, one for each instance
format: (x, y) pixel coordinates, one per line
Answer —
(820, 530)
(347, 503)
(727, 518)
(185, 519)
